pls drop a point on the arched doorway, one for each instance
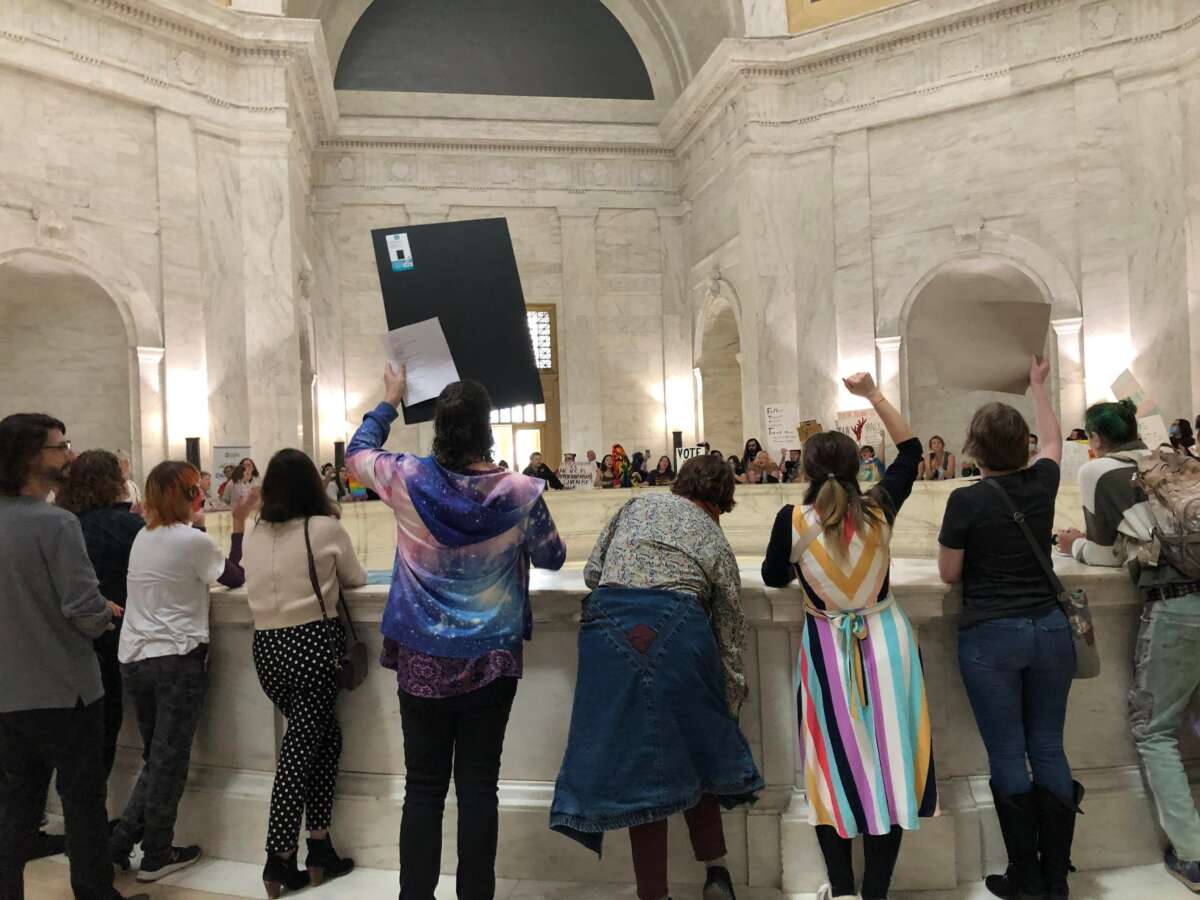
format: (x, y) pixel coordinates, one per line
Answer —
(721, 376)
(65, 350)
(932, 407)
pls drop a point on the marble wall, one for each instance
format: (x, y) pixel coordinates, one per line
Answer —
(64, 351)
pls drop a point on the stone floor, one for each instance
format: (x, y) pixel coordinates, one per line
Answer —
(222, 880)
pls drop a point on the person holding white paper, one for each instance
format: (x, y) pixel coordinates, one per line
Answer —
(456, 619)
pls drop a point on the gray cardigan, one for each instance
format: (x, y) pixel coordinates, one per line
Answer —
(51, 609)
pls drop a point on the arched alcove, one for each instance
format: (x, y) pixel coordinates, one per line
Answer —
(531, 48)
(721, 376)
(65, 350)
(963, 283)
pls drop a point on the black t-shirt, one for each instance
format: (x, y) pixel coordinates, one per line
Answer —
(1001, 576)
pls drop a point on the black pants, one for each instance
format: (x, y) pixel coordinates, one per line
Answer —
(466, 734)
(879, 851)
(168, 695)
(110, 677)
(296, 670)
(33, 744)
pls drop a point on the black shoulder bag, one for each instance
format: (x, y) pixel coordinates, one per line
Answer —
(1074, 604)
(352, 656)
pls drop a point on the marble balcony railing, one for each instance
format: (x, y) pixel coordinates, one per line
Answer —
(580, 515)
(770, 845)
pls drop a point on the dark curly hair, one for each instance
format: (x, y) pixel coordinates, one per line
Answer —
(93, 482)
(706, 479)
(292, 489)
(22, 437)
(462, 426)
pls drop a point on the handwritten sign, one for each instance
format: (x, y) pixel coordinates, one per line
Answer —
(807, 429)
(865, 427)
(1153, 431)
(683, 454)
(577, 475)
(781, 424)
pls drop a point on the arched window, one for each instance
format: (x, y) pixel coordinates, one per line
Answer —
(533, 48)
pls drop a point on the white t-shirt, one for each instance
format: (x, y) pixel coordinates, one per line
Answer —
(170, 571)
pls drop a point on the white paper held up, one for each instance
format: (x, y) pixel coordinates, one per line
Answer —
(422, 349)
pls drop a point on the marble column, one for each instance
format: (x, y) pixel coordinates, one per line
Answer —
(1104, 223)
(582, 426)
(887, 350)
(269, 287)
(789, 327)
(184, 335)
(1191, 177)
(149, 408)
(679, 398)
(853, 281)
(1068, 371)
(221, 285)
(1152, 109)
(327, 325)
(765, 18)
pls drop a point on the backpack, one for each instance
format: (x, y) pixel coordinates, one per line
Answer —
(1170, 481)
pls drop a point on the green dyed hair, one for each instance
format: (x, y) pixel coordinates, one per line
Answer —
(1115, 423)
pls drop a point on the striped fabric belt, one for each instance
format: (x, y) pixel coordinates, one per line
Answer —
(850, 626)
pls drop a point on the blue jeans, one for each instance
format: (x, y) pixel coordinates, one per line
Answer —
(1165, 677)
(1018, 674)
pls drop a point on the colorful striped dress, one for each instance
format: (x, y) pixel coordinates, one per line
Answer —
(861, 700)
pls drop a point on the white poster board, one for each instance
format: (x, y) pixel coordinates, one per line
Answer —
(226, 456)
(1127, 386)
(1074, 455)
(576, 475)
(1153, 431)
(781, 421)
(683, 454)
(866, 428)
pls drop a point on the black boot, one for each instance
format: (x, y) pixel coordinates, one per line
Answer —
(1022, 880)
(1056, 833)
(323, 862)
(282, 873)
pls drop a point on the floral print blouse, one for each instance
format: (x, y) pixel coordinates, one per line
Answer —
(666, 542)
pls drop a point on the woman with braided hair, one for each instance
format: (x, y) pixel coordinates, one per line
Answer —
(864, 718)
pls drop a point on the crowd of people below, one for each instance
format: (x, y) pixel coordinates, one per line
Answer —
(110, 599)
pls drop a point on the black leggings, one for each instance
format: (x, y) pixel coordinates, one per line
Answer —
(880, 851)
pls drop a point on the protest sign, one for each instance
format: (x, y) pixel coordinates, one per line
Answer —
(807, 429)
(781, 427)
(1127, 386)
(865, 427)
(577, 475)
(683, 454)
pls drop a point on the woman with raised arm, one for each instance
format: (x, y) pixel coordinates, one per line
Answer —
(1015, 647)
(864, 718)
(456, 619)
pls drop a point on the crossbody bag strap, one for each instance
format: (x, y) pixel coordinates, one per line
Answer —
(312, 572)
(1038, 552)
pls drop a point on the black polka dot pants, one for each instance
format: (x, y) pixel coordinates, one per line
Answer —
(296, 669)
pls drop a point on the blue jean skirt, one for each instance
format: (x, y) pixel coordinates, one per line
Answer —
(650, 730)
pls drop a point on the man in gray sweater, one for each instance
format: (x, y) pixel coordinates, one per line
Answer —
(51, 716)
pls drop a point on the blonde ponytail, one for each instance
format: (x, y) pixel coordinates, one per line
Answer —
(844, 513)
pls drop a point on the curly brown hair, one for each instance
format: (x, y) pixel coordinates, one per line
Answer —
(706, 479)
(94, 481)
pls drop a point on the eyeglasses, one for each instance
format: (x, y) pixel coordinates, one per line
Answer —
(65, 445)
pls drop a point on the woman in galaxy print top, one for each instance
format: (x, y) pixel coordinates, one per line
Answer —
(456, 617)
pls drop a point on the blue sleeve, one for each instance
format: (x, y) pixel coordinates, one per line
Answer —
(545, 546)
(367, 462)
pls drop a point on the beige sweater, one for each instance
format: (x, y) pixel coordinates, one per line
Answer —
(276, 565)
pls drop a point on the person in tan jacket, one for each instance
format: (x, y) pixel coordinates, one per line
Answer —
(297, 646)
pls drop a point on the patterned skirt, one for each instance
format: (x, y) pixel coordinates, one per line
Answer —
(864, 725)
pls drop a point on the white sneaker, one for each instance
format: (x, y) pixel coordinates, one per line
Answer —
(825, 892)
